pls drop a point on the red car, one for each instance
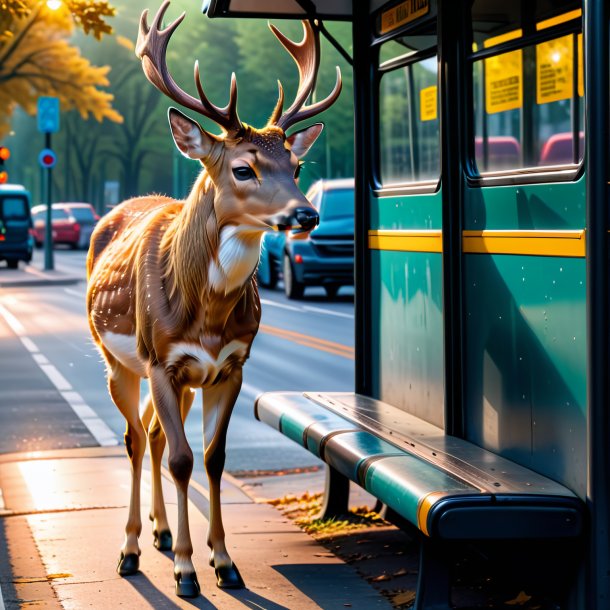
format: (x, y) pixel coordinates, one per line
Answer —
(72, 223)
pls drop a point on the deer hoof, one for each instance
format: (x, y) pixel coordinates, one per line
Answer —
(229, 578)
(128, 564)
(187, 585)
(162, 540)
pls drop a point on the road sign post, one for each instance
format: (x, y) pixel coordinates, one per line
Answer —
(48, 123)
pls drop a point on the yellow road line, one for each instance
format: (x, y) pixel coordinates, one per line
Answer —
(337, 349)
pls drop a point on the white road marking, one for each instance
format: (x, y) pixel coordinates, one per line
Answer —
(16, 326)
(280, 305)
(29, 345)
(57, 379)
(96, 426)
(1, 600)
(328, 312)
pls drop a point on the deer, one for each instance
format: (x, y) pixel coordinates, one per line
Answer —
(172, 294)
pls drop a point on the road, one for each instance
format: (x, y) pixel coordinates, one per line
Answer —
(45, 344)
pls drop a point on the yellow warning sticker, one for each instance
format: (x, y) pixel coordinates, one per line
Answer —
(427, 104)
(503, 76)
(555, 70)
(405, 12)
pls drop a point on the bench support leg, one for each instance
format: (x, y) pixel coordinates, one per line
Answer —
(433, 584)
(336, 495)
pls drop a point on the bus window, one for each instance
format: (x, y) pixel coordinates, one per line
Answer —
(527, 98)
(409, 123)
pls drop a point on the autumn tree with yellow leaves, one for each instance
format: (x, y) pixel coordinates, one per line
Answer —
(37, 59)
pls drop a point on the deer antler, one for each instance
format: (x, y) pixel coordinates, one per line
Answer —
(151, 48)
(306, 54)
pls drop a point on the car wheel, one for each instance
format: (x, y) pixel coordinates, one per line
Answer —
(292, 287)
(331, 290)
(38, 244)
(12, 263)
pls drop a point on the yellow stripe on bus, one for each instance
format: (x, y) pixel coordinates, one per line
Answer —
(408, 241)
(535, 243)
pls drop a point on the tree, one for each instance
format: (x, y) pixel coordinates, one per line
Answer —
(36, 58)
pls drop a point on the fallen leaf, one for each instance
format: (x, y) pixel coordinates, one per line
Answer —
(323, 555)
(403, 598)
(521, 599)
(59, 575)
(379, 578)
(401, 572)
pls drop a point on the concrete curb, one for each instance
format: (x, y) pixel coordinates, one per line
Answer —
(32, 276)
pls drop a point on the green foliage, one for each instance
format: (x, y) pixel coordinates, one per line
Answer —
(140, 153)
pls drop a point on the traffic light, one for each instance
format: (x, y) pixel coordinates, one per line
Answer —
(5, 153)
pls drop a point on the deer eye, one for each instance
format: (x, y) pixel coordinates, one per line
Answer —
(243, 173)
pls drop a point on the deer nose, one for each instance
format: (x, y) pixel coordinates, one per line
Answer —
(307, 219)
(300, 220)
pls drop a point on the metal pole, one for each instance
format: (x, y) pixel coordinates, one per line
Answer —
(48, 234)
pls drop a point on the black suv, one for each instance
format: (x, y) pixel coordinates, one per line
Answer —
(16, 241)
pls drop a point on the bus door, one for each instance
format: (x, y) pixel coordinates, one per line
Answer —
(523, 241)
(404, 232)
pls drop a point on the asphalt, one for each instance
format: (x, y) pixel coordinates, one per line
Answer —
(63, 512)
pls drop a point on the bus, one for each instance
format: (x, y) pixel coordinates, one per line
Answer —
(481, 263)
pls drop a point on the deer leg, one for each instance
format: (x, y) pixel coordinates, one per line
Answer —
(166, 400)
(218, 403)
(162, 536)
(124, 389)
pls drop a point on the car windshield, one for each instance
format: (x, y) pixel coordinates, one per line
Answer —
(13, 207)
(337, 203)
(82, 214)
(59, 214)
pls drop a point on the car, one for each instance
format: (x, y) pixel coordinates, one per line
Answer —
(72, 223)
(323, 257)
(16, 241)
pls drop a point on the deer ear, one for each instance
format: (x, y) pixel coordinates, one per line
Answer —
(192, 141)
(301, 141)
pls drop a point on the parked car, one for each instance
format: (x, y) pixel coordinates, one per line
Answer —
(16, 241)
(72, 223)
(325, 257)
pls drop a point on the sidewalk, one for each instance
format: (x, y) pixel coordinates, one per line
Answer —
(35, 275)
(62, 515)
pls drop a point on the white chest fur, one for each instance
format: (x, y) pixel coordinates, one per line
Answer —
(238, 256)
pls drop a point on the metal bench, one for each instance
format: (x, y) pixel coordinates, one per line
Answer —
(447, 488)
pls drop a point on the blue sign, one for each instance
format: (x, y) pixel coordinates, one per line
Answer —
(47, 158)
(48, 114)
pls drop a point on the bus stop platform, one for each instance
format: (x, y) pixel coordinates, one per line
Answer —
(62, 519)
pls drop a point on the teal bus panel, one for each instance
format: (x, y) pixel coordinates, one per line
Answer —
(407, 212)
(525, 361)
(551, 206)
(407, 332)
